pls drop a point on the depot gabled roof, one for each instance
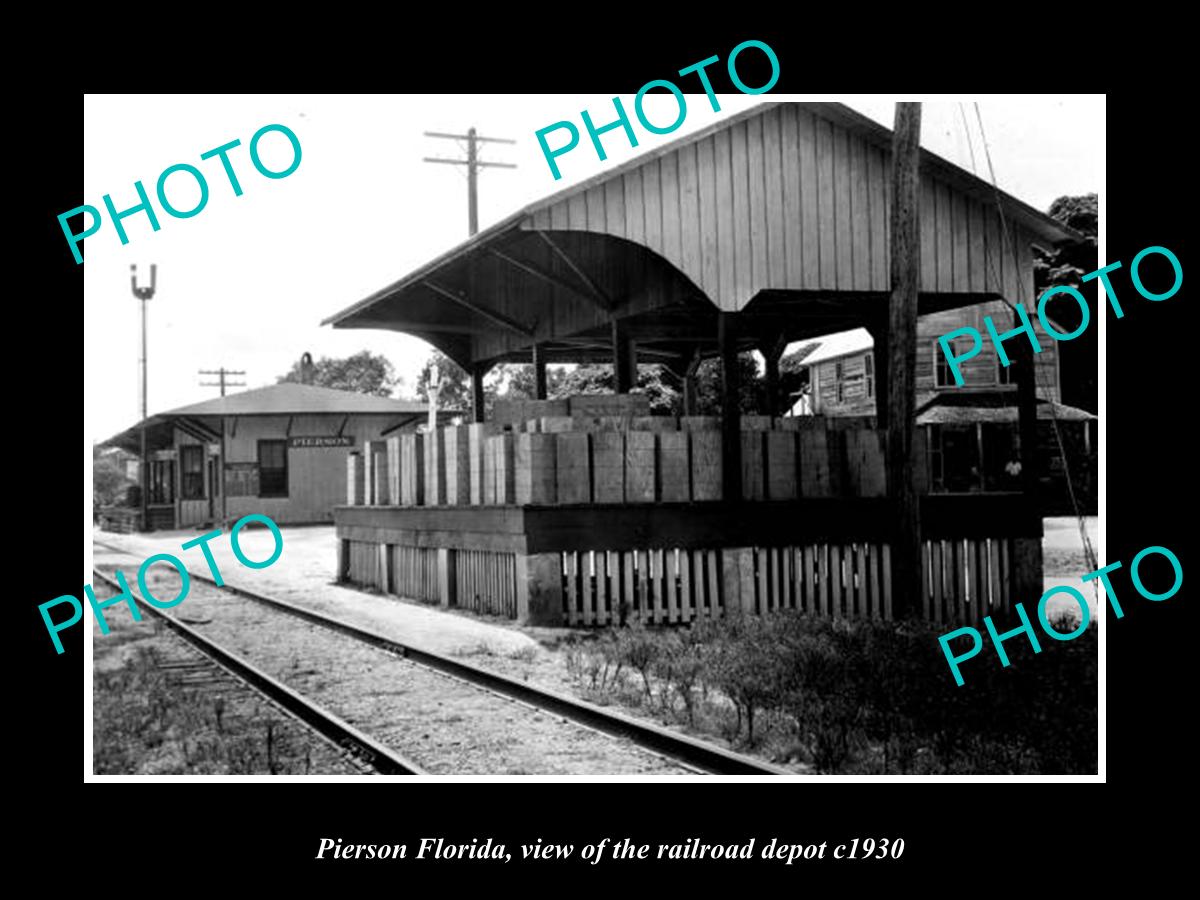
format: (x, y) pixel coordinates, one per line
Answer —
(290, 398)
(285, 399)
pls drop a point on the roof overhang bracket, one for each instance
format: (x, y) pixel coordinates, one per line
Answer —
(553, 280)
(598, 296)
(489, 314)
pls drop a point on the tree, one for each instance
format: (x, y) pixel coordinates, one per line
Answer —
(1066, 265)
(454, 385)
(752, 395)
(109, 482)
(363, 373)
(655, 381)
(516, 381)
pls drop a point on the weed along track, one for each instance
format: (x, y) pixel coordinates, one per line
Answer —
(190, 666)
(444, 724)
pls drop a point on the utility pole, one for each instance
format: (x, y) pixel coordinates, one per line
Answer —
(222, 372)
(901, 370)
(473, 164)
(144, 294)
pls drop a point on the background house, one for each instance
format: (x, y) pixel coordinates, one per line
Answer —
(971, 429)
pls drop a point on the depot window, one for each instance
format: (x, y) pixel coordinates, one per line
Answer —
(272, 469)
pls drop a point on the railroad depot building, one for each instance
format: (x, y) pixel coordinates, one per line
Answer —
(771, 227)
(278, 450)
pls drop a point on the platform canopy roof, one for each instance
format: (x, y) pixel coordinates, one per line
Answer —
(952, 408)
(779, 213)
(202, 420)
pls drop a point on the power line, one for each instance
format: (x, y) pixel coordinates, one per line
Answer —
(473, 164)
(223, 383)
(1088, 550)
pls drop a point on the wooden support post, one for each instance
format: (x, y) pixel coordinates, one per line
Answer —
(1022, 356)
(1027, 562)
(731, 413)
(477, 373)
(343, 561)
(447, 582)
(539, 372)
(902, 342)
(979, 455)
(690, 399)
(624, 358)
(771, 356)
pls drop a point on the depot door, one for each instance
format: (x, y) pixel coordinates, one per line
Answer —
(212, 486)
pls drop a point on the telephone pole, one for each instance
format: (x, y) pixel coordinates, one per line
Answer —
(144, 294)
(222, 372)
(473, 164)
(901, 348)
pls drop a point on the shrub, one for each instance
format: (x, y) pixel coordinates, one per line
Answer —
(749, 667)
(865, 695)
(639, 649)
(679, 666)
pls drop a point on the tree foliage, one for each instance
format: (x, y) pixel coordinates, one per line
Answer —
(1067, 264)
(661, 388)
(709, 386)
(109, 482)
(363, 373)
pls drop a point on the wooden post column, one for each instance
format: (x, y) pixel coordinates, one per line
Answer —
(539, 372)
(771, 356)
(624, 358)
(1027, 550)
(691, 402)
(477, 372)
(901, 367)
(731, 411)
(1022, 366)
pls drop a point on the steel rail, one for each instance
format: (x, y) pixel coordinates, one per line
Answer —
(701, 754)
(383, 759)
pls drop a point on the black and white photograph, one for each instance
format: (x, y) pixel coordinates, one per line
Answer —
(671, 436)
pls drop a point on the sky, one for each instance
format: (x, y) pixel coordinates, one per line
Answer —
(245, 283)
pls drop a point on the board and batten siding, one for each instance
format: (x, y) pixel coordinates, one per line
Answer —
(316, 475)
(979, 372)
(789, 200)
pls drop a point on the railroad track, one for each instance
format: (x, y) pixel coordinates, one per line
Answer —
(359, 745)
(694, 755)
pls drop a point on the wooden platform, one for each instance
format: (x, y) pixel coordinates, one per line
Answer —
(663, 563)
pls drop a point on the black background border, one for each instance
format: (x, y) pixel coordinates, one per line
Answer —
(225, 829)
